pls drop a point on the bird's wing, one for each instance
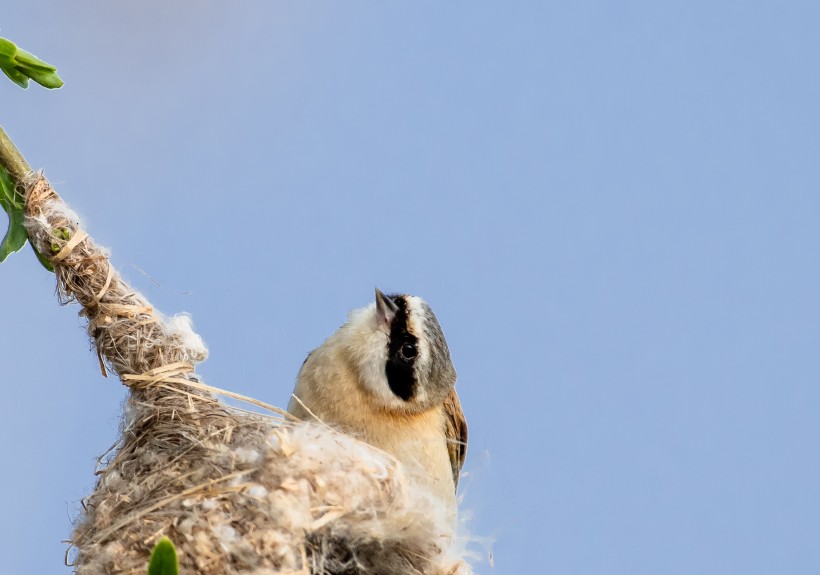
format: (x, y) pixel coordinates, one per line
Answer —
(456, 432)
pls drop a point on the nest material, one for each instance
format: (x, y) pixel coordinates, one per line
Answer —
(237, 492)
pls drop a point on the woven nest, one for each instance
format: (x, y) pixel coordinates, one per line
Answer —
(237, 492)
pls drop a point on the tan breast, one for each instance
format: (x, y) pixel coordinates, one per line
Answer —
(417, 440)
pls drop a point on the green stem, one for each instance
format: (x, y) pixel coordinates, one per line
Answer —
(12, 160)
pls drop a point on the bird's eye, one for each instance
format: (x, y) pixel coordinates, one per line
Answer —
(408, 351)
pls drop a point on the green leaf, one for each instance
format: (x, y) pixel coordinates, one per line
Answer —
(48, 80)
(163, 559)
(41, 72)
(7, 48)
(29, 60)
(15, 76)
(20, 65)
(8, 195)
(16, 235)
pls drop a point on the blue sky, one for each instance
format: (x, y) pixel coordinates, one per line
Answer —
(612, 208)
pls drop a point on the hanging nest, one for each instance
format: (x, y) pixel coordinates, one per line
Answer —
(236, 491)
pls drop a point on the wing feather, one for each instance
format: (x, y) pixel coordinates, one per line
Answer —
(456, 433)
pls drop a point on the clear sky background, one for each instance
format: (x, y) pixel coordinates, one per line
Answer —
(612, 207)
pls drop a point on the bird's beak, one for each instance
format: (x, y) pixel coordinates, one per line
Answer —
(385, 308)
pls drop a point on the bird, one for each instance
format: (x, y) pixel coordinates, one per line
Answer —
(386, 377)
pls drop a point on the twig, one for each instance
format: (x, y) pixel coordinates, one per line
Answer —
(12, 160)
